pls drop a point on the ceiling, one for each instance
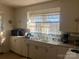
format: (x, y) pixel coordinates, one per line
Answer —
(15, 3)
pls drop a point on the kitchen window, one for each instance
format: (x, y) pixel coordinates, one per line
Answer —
(48, 22)
(44, 22)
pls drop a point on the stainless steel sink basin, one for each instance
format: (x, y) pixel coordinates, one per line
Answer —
(75, 50)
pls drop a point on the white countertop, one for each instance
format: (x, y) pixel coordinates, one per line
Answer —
(52, 43)
(71, 55)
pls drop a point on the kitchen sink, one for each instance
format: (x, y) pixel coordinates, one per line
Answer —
(75, 50)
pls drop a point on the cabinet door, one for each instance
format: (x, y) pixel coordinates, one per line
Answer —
(50, 52)
(13, 44)
(35, 52)
(18, 46)
(23, 47)
(61, 52)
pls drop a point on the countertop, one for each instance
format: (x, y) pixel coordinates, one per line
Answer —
(52, 43)
(44, 42)
(71, 55)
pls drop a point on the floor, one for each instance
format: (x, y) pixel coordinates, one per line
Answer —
(10, 55)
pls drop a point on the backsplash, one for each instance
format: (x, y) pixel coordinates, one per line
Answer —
(45, 37)
(54, 37)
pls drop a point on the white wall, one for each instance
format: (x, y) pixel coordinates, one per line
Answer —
(20, 18)
(69, 12)
(21, 13)
(7, 14)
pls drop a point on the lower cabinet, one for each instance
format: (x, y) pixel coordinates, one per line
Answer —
(18, 45)
(50, 52)
(23, 47)
(13, 44)
(42, 52)
(61, 52)
(37, 51)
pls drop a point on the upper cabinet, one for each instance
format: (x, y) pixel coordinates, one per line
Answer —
(69, 14)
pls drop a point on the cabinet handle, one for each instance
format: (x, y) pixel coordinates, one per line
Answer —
(36, 47)
(15, 40)
(28, 45)
(46, 50)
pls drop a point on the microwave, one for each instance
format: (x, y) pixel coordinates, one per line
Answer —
(18, 32)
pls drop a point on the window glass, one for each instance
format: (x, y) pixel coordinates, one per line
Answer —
(44, 26)
(44, 23)
(53, 18)
(37, 19)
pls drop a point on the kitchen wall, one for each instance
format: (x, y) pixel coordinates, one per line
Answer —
(18, 16)
(7, 15)
(21, 13)
(69, 12)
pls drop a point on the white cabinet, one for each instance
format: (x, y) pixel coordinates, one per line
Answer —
(35, 51)
(46, 51)
(55, 52)
(61, 52)
(13, 44)
(18, 45)
(42, 51)
(23, 47)
(50, 52)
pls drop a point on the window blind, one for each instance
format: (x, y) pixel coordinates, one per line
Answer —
(45, 21)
